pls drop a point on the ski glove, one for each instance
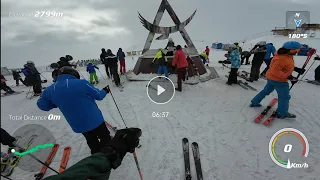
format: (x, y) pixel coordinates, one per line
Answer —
(299, 70)
(292, 79)
(107, 89)
(125, 140)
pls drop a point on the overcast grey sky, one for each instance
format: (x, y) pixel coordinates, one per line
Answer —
(89, 25)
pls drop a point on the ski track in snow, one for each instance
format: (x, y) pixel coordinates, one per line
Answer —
(212, 113)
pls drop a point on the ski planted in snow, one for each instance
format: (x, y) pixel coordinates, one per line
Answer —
(270, 119)
(311, 81)
(65, 159)
(8, 94)
(44, 168)
(11, 165)
(240, 84)
(196, 156)
(248, 86)
(185, 147)
(259, 118)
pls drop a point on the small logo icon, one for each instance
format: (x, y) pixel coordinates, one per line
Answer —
(298, 22)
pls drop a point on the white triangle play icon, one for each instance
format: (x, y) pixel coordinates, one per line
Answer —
(160, 90)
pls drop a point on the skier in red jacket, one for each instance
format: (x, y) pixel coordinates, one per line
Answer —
(180, 61)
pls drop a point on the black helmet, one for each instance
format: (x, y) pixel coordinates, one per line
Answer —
(103, 49)
(69, 70)
(54, 65)
(236, 43)
(178, 47)
(69, 58)
(62, 59)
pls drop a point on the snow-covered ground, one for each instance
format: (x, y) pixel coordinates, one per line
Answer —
(213, 114)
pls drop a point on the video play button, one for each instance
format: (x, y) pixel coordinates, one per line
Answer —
(160, 90)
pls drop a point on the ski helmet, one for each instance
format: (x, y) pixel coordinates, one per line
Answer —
(103, 49)
(54, 65)
(62, 59)
(236, 43)
(178, 47)
(69, 58)
(69, 70)
(261, 43)
(292, 45)
(30, 62)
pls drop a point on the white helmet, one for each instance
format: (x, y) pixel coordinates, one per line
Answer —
(261, 43)
(30, 62)
(232, 46)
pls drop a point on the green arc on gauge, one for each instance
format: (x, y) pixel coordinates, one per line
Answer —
(33, 149)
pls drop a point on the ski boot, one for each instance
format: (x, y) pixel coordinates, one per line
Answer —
(290, 116)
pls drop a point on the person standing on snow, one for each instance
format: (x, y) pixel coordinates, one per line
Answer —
(162, 61)
(34, 76)
(99, 165)
(281, 68)
(17, 77)
(103, 58)
(113, 64)
(92, 72)
(207, 51)
(121, 57)
(181, 63)
(75, 98)
(259, 51)
(235, 64)
(170, 47)
(245, 55)
(267, 58)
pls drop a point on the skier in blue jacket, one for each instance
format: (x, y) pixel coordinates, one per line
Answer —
(267, 58)
(75, 98)
(234, 58)
(91, 70)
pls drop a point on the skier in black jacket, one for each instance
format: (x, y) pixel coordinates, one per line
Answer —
(17, 77)
(34, 77)
(113, 63)
(245, 55)
(259, 51)
(103, 58)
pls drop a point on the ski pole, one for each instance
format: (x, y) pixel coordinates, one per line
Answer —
(28, 92)
(310, 53)
(134, 153)
(137, 163)
(307, 71)
(101, 74)
(38, 160)
(5, 177)
(117, 108)
(81, 74)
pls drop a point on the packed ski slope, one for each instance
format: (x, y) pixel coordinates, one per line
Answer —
(213, 114)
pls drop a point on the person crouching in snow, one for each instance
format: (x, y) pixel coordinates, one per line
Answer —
(280, 70)
(180, 61)
(91, 70)
(204, 57)
(234, 58)
(162, 61)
